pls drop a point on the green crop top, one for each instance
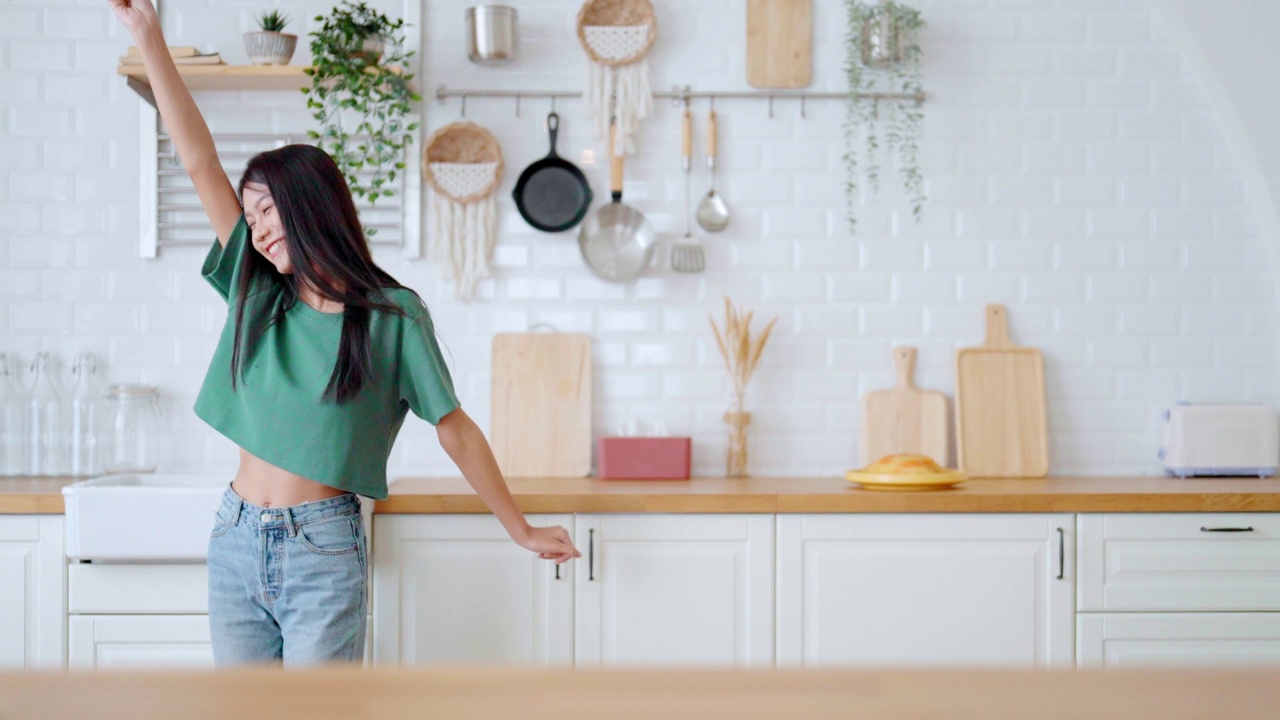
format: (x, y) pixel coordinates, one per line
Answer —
(276, 412)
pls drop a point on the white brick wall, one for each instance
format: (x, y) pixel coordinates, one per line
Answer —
(1074, 168)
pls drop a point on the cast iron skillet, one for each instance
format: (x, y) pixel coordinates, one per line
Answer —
(552, 194)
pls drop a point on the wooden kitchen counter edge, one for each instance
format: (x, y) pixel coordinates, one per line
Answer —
(499, 693)
(835, 495)
(781, 495)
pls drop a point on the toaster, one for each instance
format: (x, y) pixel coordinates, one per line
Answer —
(1221, 439)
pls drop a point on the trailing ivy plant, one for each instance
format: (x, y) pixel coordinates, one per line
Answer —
(361, 98)
(897, 70)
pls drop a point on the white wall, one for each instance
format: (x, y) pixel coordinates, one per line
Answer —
(1075, 168)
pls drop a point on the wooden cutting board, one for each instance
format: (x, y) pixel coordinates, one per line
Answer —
(905, 419)
(1000, 406)
(541, 404)
(779, 43)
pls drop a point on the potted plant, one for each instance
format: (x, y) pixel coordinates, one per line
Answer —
(270, 46)
(882, 53)
(360, 95)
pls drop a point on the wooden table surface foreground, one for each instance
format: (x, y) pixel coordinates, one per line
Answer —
(527, 694)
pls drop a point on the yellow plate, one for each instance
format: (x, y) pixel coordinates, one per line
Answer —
(882, 481)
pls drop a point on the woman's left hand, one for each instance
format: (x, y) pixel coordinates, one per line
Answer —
(551, 543)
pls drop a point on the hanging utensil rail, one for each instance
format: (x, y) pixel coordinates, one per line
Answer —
(677, 96)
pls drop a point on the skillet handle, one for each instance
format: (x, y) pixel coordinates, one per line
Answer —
(615, 166)
(553, 129)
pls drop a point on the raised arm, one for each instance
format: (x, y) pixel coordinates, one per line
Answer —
(181, 117)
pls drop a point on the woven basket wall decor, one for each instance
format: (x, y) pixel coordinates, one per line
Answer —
(462, 162)
(617, 36)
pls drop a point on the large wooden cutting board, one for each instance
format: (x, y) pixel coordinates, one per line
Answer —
(541, 404)
(905, 419)
(779, 43)
(1001, 429)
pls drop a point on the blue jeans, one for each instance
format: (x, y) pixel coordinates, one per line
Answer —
(288, 583)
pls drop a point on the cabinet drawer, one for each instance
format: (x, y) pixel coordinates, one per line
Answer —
(1189, 562)
(128, 588)
(1111, 640)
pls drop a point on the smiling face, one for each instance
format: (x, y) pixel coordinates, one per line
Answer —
(265, 227)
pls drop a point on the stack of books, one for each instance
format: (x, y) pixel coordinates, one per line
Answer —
(181, 55)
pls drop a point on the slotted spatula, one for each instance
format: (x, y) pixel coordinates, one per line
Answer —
(687, 255)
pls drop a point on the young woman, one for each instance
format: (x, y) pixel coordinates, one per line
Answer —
(321, 357)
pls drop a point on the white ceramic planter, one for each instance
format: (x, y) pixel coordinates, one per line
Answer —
(269, 48)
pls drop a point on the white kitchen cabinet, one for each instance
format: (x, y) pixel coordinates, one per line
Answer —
(1179, 589)
(109, 642)
(925, 590)
(1179, 562)
(674, 590)
(1111, 640)
(32, 608)
(456, 589)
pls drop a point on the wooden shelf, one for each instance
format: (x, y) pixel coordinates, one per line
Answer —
(223, 77)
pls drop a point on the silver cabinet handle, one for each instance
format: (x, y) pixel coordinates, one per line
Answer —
(1226, 529)
(1062, 553)
(591, 554)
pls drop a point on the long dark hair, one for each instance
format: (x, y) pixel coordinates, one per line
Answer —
(329, 252)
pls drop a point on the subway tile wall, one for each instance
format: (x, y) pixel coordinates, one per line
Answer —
(1074, 168)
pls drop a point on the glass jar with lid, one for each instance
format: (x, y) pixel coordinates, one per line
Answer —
(132, 429)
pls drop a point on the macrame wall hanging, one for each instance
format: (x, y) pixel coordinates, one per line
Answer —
(462, 162)
(617, 36)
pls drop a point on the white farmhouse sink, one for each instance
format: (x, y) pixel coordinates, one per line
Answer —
(122, 518)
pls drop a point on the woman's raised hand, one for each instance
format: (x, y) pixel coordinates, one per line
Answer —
(137, 15)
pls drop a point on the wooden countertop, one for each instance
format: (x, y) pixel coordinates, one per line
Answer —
(835, 495)
(780, 495)
(504, 693)
(33, 496)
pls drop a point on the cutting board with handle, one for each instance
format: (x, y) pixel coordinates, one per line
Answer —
(779, 43)
(541, 404)
(1001, 429)
(905, 419)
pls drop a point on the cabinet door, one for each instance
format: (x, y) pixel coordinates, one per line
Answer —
(925, 590)
(456, 589)
(675, 590)
(107, 642)
(31, 591)
(1207, 639)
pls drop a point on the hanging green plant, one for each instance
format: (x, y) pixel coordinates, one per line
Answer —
(882, 54)
(360, 96)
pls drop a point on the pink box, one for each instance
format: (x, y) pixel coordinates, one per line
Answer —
(644, 458)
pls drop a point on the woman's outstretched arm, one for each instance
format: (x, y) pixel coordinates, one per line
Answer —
(467, 447)
(181, 117)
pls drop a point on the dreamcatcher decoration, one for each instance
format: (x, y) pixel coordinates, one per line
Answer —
(617, 36)
(462, 162)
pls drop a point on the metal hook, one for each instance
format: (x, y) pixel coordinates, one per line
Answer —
(875, 108)
(517, 106)
(464, 106)
(713, 102)
(802, 113)
(770, 107)
(553, 102)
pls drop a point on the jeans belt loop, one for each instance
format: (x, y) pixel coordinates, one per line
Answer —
(289, 524)
(235, 511)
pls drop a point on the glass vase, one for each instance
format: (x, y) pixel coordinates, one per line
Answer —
(736, 455)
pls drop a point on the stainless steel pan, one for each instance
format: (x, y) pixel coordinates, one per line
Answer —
(616, 241)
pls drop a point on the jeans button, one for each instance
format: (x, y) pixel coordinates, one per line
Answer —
(266, 518)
